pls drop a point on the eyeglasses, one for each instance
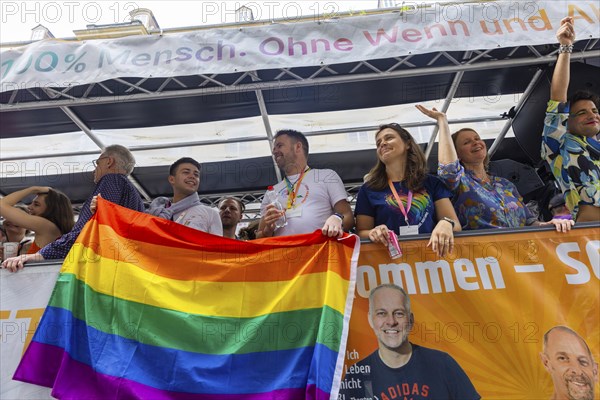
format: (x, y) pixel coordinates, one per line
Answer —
(95, 162)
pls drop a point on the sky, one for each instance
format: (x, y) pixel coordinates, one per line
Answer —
(62, 17)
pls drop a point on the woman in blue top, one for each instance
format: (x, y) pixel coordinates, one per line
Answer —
(481, 200)
(398, 195)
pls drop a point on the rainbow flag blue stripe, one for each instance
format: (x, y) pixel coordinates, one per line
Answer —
(146, 308)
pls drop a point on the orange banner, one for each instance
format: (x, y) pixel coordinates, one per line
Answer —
(488, 305)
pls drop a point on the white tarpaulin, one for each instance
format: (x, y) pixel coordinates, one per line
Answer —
(23, 298)
(414, 30)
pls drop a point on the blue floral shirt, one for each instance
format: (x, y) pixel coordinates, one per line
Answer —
(574, 159)
(484, 205)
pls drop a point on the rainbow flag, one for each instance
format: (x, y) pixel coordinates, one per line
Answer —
(150, 309)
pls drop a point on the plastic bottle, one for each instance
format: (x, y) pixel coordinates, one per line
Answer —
(272, 198)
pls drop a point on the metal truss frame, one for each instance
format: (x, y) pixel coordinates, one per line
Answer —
(143, 89)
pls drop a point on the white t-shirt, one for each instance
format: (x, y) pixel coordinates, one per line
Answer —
(318, 193)
(202, 218)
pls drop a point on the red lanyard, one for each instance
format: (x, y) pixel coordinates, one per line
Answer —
(400, 205)
(293, 189)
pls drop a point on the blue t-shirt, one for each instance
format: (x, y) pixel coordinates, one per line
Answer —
(383, 207)
(428, 375)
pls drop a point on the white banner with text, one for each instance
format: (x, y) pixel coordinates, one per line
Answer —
(415, 28)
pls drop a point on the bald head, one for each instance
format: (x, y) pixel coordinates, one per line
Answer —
(561, 332)
(569, 361)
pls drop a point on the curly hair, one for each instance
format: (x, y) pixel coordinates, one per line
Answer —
(416, 165)
(584, 95)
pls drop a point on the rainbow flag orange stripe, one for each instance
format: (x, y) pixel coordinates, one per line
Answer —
(146, 308)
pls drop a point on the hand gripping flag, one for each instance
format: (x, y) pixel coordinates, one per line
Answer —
(147, 308)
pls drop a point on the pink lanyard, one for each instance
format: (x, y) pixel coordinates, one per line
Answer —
(400, 205)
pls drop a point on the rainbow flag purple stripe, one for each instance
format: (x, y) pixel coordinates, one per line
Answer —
(145, 308)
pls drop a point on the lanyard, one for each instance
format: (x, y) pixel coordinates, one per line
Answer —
(181, 216)
(400, 205)
(293, 189)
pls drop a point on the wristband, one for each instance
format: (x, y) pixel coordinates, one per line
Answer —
(449, 220)
(340, 216)
(565, 48)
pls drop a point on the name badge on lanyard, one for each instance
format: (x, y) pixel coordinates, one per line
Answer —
(408, 229)
(293, 210)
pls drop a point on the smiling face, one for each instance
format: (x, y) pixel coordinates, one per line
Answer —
(469, 147)
(38, 205)
(285, 151)
(390, 319)
(584, 118)
(573, 371)
(288, 153)
(185, 181)
(390, 145)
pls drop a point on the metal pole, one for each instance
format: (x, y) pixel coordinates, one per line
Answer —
(522, 100)
(265, 118)
(75, 118)
(297, 83)
(457, 78)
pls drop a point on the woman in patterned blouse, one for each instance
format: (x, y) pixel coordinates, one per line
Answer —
(481, 200)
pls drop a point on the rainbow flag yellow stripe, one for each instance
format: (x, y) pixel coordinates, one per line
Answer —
(193, 315)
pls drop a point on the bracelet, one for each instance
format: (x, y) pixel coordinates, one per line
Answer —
(449, 220)
(565, 48)
(340, 216)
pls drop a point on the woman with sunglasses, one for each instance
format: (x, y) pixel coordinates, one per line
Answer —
(49, 215)
(399, 195)
(481, 199)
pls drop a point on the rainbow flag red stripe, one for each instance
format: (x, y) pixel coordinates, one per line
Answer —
(146, 308)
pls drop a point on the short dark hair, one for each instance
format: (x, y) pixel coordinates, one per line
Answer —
(238, 201)
(584, 95)
(183, 160)
(297, 136)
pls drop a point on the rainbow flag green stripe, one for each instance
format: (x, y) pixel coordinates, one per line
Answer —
(307, 290)
(164, 368)
(276, 331)
(134, 325)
